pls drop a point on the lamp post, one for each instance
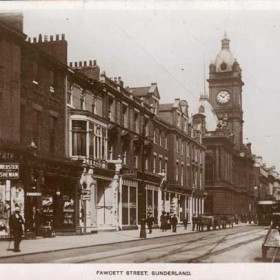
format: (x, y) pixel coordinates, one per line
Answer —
(34, 182)
(143, 187)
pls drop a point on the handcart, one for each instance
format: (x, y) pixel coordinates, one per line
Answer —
(272, 238)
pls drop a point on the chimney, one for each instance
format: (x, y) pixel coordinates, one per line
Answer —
(91, 70)
(57, 37)
(76, 64)
(55, 48)
(40, 38)
(71, 65)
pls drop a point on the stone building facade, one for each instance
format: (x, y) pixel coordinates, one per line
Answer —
(229, 163)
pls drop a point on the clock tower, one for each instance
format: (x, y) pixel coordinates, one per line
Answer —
(225, 92)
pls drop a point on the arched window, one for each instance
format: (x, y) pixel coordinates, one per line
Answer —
(209, 168)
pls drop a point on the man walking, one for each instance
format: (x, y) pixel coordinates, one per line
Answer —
(16, 228)
(150, 222)
(174, 222)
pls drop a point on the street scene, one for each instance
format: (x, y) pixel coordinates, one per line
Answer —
(120, 146)
(240, 244)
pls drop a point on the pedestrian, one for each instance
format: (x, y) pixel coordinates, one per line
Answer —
(16, 224)
(163, 221)
(174, 222)
(185, 222)
(168, 222)
(193, 222)
(150, 222)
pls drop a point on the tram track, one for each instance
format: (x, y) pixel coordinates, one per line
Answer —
(175, 251)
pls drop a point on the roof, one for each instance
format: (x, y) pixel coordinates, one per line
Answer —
(139, 91)
(225, 59)
(144, 91)
(165, 107)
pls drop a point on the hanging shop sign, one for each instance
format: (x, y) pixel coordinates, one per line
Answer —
(9, 171)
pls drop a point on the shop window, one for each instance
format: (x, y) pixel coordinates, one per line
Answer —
(156, 207)
(125, 205)
(79, 138)
(132, 205)
(150, 201)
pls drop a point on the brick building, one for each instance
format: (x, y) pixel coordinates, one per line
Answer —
(33, 108)
(92, 153)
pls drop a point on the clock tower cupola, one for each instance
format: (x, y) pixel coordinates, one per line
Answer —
(225, 91)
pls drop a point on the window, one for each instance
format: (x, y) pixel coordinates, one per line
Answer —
(165, 165)
(124, 153)
(53, 122)
(179, 120)
(177, 171)
(209, 168)
(136, 122)
(182, 175)
(36, 127)
(183, 148)
(82, 102)
(110, 150)
(147, 127)
(35, 72)
(79, 131)
(177, 144)
(160, 164)
(22, 121)
(52, 83)
(166, 142)
(125, 116)
(154, 163)
(185, 125)
(69, 93)
(154, 136)
(93, 106)
(146, 163)
(112, 109)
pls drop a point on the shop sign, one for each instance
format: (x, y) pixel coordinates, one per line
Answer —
(9, 171)
(33, 194)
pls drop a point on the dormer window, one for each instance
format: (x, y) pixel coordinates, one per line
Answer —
(179, 120)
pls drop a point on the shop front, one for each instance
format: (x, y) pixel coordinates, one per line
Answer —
(128, 204)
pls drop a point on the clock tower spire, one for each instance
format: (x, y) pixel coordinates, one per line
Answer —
(225, 91)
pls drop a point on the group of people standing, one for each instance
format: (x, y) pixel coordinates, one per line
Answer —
(168, 221)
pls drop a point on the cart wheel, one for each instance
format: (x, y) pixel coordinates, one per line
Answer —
(264, 252)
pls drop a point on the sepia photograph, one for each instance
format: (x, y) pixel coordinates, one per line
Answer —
(140, 133)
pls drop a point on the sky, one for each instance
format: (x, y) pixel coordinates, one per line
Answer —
(174, 46)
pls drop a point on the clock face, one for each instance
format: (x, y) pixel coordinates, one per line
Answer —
(223, 97)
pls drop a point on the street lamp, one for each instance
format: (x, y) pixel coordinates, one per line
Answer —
(143, 188)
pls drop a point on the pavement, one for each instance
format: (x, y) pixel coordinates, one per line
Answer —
(41, 245)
